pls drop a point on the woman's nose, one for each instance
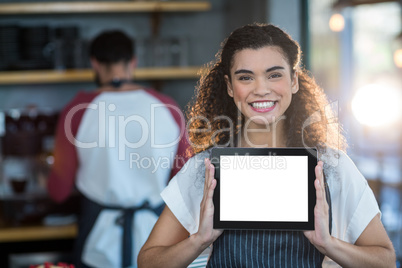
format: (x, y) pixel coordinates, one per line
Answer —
(262, 87)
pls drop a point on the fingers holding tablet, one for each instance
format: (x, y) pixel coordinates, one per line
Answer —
(321, 203)
(320, 237)
(205, 231)
(210, 183)
(319, 182)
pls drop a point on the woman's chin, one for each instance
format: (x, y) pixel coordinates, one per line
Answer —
(260, 122)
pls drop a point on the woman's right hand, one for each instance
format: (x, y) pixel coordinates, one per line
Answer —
(169, 245)
(206, 233)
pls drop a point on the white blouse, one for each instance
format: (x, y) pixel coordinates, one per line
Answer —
(353, 202)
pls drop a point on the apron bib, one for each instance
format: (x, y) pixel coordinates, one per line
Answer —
(266, 248)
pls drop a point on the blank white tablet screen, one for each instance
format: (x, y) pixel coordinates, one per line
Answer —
(263, 188)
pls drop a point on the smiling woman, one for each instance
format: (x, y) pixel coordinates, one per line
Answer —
(257, 82)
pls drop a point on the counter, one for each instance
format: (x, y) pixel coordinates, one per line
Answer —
(25, 240)
(38, 232)
(23, 245)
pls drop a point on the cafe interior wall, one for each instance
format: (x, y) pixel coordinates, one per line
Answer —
(194, 26)
(203, 31)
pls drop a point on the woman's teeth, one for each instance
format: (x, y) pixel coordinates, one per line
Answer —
(263, 105)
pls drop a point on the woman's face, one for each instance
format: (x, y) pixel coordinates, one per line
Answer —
(261, 85)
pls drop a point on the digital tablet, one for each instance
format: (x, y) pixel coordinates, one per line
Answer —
(264, 188)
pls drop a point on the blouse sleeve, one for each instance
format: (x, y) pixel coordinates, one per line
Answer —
(353, 202)
(184, 192)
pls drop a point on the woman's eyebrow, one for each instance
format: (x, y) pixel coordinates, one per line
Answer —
(243, 71)
(273, 68)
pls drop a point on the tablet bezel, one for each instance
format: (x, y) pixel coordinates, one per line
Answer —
(311, 154)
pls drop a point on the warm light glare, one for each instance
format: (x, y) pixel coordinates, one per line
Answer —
(377, 105)
(398, 58)
(336, 22)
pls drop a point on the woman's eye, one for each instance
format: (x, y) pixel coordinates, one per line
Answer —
(275, 75)
(244, 78)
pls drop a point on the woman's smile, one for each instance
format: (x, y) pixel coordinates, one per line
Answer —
(263, 106)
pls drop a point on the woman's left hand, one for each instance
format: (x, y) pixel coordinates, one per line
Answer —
(320, 236)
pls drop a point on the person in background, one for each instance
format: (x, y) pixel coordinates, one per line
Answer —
(257, 95)
(118, 146)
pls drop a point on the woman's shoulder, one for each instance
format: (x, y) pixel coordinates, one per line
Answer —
(353, 202)
(340, 169)
(197, 160)
(195, 164)
(335, 158)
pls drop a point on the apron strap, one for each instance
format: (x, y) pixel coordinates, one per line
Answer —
(91, 210)
(328, 197)
(88, 214)
(126, 221)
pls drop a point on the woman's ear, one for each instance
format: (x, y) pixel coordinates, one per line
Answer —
(295, 82)
(228, 86)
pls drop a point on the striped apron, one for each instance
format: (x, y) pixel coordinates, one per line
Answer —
(266, 248)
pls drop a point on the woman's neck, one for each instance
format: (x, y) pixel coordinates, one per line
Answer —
(272, 136)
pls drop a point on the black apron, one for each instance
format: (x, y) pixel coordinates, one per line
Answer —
(89, 213)
(266, 248)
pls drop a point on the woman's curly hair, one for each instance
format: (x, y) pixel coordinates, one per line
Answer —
(214, 119)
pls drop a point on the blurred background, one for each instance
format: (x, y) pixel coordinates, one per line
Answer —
(355, 55)
(352, 47)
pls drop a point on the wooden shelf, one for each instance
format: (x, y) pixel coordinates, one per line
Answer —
(30, 233)
(102, 7)
(352, 3)
(87, 75)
